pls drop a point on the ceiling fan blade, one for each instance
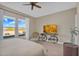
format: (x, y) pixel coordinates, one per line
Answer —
(37, 6)
(33, 2)
(32, 7)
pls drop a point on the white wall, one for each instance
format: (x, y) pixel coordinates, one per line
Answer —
(32, 26)
(27, 27)
(65, 20)
(77, 22)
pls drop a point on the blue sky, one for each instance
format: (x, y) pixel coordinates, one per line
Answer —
(9, 22)
(21, 23)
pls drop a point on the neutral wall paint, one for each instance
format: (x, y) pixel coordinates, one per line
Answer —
(65, 20)
(32, 26)
(77, 21)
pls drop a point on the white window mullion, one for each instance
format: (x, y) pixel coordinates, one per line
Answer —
(27, 28)
(16, 28)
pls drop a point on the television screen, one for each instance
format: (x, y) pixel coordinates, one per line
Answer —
(50, 28)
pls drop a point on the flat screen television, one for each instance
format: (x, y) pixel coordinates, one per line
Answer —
(50, 28)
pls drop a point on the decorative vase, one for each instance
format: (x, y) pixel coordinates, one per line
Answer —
(74, 32)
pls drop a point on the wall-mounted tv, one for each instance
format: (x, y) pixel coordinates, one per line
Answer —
(50, 28)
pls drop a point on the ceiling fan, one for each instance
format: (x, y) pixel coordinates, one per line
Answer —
(33, 4)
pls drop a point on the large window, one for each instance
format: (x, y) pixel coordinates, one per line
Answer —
(8, 26)
(21, 27)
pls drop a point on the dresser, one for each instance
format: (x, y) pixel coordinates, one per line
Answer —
(70, 49)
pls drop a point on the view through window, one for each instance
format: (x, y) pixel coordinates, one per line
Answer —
(21, 27)
(8, 26)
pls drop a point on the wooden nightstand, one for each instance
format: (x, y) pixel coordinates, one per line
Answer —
(70, 49)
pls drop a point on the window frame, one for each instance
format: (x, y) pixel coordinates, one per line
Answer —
(14, 19)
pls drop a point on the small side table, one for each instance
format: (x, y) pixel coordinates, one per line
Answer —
(70, 49)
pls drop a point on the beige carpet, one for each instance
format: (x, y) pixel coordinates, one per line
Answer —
(52, 49)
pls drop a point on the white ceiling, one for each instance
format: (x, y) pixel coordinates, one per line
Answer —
(47, 7)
